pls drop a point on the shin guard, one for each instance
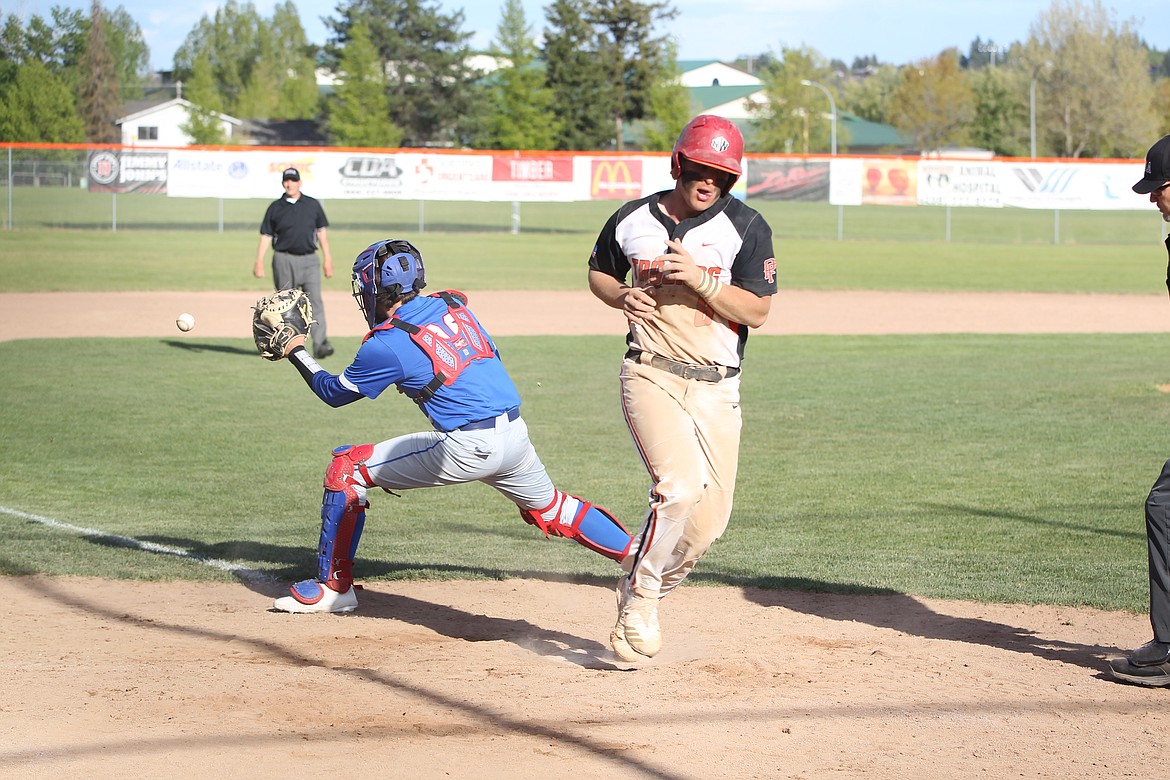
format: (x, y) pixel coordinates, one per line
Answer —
(588, 525)
(343, 516)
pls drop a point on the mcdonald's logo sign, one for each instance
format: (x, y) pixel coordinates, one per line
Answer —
(616, 179)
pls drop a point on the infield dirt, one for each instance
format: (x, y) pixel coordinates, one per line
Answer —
(514, 679)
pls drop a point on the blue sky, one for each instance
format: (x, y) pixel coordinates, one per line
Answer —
(896, 31)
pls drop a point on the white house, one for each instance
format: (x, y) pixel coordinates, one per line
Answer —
(160, 124)
(713, 73)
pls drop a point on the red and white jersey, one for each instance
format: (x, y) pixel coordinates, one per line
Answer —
(730, 240)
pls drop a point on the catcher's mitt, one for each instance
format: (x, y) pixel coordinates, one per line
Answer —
(279, 319)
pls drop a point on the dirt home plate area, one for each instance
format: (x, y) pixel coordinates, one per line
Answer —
(514, 679)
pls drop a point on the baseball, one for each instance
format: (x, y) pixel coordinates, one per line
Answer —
(185, 322)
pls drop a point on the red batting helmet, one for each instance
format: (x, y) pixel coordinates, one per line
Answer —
(709, 140)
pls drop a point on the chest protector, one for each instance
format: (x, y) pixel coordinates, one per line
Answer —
(452, 343)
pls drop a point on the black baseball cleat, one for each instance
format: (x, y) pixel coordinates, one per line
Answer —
(1149, 665)
(324, 351)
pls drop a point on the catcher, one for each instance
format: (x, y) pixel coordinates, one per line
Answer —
(434, 351)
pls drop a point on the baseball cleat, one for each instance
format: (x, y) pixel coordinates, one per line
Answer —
(637, 635)
(312, 596)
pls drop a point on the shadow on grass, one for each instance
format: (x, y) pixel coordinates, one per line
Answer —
(961, 510)
(195, 346)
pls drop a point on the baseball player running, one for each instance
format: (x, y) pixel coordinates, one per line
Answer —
(703, 271)
(433, 350)
(1150, 664)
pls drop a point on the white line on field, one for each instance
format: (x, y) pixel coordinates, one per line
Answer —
(127, 541)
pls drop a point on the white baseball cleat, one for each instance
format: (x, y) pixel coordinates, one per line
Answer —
(637, 635)
(312, 596)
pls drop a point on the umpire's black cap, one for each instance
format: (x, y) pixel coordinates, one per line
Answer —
(1157, 167)
(291, 173)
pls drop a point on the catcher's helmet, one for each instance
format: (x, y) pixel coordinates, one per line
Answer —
(386, 268)
(709, 140)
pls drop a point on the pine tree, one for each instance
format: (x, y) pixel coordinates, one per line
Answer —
(521, 115)
(98, 93)
(424, 53)
(359, 114)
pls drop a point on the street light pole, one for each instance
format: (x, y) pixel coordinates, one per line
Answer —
(832, 112)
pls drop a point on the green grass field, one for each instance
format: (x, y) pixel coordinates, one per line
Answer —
(989, 468)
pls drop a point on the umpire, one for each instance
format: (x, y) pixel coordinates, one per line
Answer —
(294, 226)
(1150, 663)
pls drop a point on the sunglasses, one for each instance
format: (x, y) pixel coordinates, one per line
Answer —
(695, 174)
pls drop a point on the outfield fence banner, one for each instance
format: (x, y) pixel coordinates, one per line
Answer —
(513, 176)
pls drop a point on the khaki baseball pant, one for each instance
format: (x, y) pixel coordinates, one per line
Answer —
(687, 432)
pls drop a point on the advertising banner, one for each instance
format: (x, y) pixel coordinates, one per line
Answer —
(890, 182)
(618, 178)
(959, 183)
(845, 181)
(123, 171)
(1071, 185)
(781, 179)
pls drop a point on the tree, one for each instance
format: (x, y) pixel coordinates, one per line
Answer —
(424, 54)
(790, 121)
(130, 53)
(98, 89)
(668, 108)
(295, 65)
(60, 45)
(583, 97)
(38, 107)
(359, 114)
(635, 57)
(521, 115)
(933, 102)
(1001, 112)
(868, 96)
(1095, 98)
(260, 68)
(203, 123)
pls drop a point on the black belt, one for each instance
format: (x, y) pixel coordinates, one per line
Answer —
(490, 422)
(685, 370)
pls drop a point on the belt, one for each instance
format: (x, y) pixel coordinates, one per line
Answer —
(685, 370)
(490, 422)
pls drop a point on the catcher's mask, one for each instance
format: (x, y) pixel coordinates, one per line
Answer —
(709, 140)
(388, 269)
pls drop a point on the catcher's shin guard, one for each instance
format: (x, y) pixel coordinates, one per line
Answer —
(343, 515)
(587, 525)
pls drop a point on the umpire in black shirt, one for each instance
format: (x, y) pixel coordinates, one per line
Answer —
(1150, 663)
(294, 226)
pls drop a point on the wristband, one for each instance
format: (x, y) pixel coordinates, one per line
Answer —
(708, 287)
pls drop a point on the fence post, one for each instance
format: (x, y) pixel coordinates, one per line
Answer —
(421, 218)
(221, 215)
(114, 216)
(10, 188)
(1056, 226)
(948, 223)
(840, 223)
(515, 217)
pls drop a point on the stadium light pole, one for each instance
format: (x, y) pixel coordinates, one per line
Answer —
(1032, 102)
(832, 112)
(1032, 112)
